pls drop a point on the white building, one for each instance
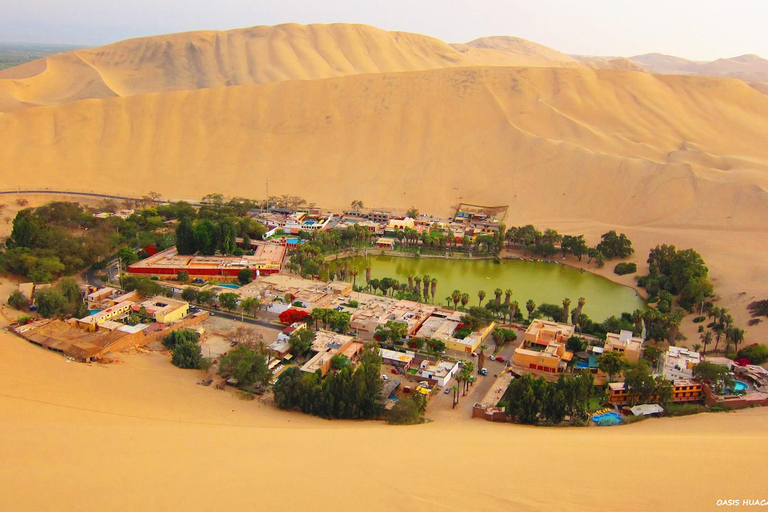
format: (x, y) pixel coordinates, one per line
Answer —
(441, 371)
(678, 363)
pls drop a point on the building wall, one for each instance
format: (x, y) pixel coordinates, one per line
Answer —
(173, 316)
(539, 361)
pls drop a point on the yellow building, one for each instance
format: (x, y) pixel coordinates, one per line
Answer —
(91, 322)
(624, 343)
(471, 342)
(553, 359)
(682, 391)
(542, 332)
(163, 310)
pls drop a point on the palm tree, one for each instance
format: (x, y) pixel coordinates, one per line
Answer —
(353, 273)
(448, 301)
(368, 276)
(410, 283)
(507, 296)
(427, 281)
(513, 307)
(481, 296)
(737, 336)
(637, 318)
(433, 289)
(456, 297)
(706, 339)
(497, 292)
(481, 357)
(530, 306)
(577, 312)
(455, 390)
(566, 309)
(417, 288)
(697, 347)
(464, 300)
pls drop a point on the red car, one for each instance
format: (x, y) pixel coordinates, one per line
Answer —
(500, 359)
(395, 371)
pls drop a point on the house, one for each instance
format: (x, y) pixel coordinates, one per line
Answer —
(625, 343)
(472, 342)
(682, 391)
(400, 360)
(93, 322)
(162, 309)
(385, 243)
(326, 345)
(441, 371)
(678, 363)
(544, 347)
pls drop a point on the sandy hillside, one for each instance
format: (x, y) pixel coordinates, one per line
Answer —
(194, 60)
(141, 435)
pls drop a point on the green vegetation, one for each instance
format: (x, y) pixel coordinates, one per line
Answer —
(625, 268)
(300, 341)
(532, 400)
(346, 393)
(14, 54)
(245, 276)
(18, 300)
(684, 409)
(613, 245)
(611, 363)
(503, 336)
(337, 320)
(245, 365)
(757, 354)
(681, 274)
(185, 349)
(408, 411)
(718, 377)
(391, 331)
(643, 387)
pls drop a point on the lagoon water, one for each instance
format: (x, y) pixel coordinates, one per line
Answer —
(540, 281)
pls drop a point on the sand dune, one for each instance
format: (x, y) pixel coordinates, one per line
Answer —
(520, 133)
(141, 435)
(195, 60)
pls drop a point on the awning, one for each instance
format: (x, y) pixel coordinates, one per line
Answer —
(646, 409)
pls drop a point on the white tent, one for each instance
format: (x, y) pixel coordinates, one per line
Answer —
(646, 409)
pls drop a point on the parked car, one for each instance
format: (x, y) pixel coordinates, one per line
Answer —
(395, 371)
(447, 390)
(474, 354)
(500, 359)
(406, 389)
(384, 377)
(483, 371)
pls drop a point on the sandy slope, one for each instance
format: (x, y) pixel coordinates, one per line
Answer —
(608, 145)
(141, 435)
(194, 60)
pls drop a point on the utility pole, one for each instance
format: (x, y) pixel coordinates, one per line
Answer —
(267, 193)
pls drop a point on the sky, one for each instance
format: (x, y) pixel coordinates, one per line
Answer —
(694, 29)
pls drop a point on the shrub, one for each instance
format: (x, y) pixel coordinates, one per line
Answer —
(407, 411)
(187, 355)
(625, 268)
(175, 338)
(18, 300)
(699, 319)
(757, 354)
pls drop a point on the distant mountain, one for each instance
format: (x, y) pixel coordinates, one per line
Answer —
(749, 68)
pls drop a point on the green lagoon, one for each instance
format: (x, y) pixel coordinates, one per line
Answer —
(541, 281)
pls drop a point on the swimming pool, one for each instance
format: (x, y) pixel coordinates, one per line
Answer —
(607, 419)
(229, 285)
(740, 387)
(93, 311)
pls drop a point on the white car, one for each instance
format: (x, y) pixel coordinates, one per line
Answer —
(384, 377)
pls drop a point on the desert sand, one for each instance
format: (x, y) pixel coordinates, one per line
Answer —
(140, 435)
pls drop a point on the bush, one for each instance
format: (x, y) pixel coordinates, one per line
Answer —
(757, 354)
(625, 268)
(699, 319)
(407, 411)
(175, 338)
(18, 300)
(187, 355)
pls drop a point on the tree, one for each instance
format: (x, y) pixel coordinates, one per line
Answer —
(183, 276)
(187, 355)
(185, 237)
(245, 276)
(412, 212)
(206, 297)
(171, 340)
(530, 306)
(481, 357)
(610, 363)
(464, 300)
(503, 336)
(50, 303)
(127, 256)
(575, 316)
(613, 245)
(717, 376)
(566, 307)
(251, 305)
(205, 237)
(300, 341)
(189, 294)
(481, 296)
(229, 301)
(391, 331)
(245, 365)
(575, 344)
(226, 234)
(18, 300)
(407, 411)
